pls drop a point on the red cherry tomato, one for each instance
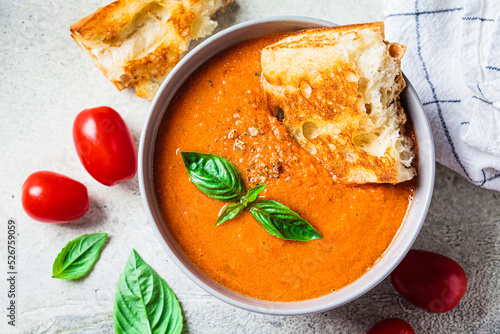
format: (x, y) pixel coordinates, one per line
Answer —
(391, 326)
(430, 281)
(54, 198)
(105, 145)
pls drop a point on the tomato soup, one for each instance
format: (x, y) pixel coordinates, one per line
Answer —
(221, 110)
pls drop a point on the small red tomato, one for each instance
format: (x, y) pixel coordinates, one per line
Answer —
(105, 145)
(54, 198)
(430, 281)
(391, 326)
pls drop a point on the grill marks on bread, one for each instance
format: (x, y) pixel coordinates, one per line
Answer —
(339, 89)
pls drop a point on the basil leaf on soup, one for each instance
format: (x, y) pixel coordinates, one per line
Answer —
(78, 256)
(144, 303)
(230, 211)
(214, 176)
(221, 180)
(252, 194)
(280, 221)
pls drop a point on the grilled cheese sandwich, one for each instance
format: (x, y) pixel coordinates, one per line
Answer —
(137, 42)
(339, 90)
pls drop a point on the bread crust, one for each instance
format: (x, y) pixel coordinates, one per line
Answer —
(138, 42)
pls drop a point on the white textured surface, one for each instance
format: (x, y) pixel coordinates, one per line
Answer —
(46, 80)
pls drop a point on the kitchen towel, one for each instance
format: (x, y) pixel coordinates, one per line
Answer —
(453, 62)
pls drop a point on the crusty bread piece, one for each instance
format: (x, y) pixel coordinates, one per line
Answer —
(137, 42)
(339, 89)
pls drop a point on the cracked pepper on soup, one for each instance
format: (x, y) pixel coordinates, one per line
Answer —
(221, 110)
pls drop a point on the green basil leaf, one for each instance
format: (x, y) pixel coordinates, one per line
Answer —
(252, 194)
(214, 176)
(78, 256)
(282, 222)
(144, 303)
(230, 211)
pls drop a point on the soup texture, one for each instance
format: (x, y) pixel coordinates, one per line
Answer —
(221, 110)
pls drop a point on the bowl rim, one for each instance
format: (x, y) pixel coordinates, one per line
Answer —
(145, 176)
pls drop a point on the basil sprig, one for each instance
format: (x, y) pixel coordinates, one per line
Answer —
(78, 256)
(144, 303)
(221, 180)
(232, 210)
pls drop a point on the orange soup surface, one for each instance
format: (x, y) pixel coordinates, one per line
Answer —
(221, 110)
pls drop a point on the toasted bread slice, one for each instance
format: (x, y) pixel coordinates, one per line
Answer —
(137, 42)
(339, 89)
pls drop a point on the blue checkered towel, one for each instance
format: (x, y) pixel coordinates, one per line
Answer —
(453, 61)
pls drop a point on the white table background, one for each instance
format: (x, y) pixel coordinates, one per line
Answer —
(46, 79)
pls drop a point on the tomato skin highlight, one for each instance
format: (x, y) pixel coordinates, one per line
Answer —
(391, 326)
(430, 281)
(105, 145)
(50, 197)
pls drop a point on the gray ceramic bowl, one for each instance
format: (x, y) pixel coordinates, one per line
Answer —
(380, 270)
